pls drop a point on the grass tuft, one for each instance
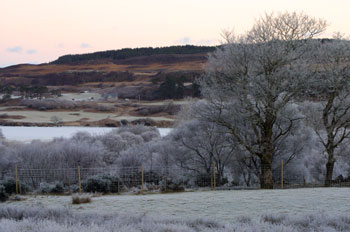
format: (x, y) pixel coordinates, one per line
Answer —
(81, 199)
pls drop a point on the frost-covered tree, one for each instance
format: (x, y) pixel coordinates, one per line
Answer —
(331, 115)
(251, 79)
(202, 144)
(2, 137)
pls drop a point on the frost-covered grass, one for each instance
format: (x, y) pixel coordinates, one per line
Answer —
(223, 206)
(15, 219)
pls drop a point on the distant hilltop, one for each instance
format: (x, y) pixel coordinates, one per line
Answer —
(117, 56)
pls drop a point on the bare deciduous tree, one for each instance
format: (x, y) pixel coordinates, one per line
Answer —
(252, 79)
(331, 117)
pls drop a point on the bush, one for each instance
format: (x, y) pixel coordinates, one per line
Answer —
(203, 180)
(9, 185)
(49, 103)
(169, 108)
(104, 108)
(173, 185)
(57, 187)
(3, 194)
(102, 184)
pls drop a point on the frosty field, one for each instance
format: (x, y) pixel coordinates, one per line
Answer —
(221, 206)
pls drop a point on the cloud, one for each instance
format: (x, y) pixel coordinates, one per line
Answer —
(60, 45)
(184, 40)
(206, 42)
(203, 42)
(85, 45)
(16, 49)
(31, 51)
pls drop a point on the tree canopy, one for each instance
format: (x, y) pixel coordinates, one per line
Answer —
(133, 52)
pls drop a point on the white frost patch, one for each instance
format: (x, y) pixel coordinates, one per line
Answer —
(224, 206)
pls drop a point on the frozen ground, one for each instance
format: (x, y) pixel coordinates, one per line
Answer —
(27, 134)
(222, 206)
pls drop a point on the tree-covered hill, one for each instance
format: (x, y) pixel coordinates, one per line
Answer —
(132, 52)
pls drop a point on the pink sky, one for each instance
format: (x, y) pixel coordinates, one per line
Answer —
(37, 31)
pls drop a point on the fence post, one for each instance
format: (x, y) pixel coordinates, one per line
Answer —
(282, 174)
(79, 179)
(142, 178)
(212, 180)
(16, 173)
(214, 176)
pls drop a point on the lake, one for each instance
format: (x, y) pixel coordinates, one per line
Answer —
(27, 134)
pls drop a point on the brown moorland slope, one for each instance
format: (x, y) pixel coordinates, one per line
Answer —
(165, 63)
(91, 86)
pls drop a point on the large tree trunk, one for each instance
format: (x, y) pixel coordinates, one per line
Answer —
(329, 168)
(329, 125)
(329, 174)
(266, 181)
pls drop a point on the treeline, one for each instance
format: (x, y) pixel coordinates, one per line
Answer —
(27, 91)
(133, 52)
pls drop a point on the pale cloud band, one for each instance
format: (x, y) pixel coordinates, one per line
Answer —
(203, 42)
(16, 49)
(31, 51)
(85, 45)
(19, 49)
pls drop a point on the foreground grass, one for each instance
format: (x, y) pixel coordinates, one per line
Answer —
(63, 220)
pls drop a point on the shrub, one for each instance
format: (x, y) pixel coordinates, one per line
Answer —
(49, 103)
(102, 184)
(203, 180)
(9, 185)
(169, 108)
(3, 194)
(57, 187)
(104, 108)
(172, 185)
(81, 199)
(4, 116)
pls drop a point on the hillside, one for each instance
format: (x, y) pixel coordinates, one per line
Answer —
(139, 61)
(102, 88)
(117, 56)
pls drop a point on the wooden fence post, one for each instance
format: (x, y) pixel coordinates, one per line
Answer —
(282, 175)
(16, 173)
(79, 179)
(212, 181)
(142, 178)
(214, 176)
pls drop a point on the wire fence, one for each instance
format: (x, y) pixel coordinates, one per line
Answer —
(143, 179)
(108, 180)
